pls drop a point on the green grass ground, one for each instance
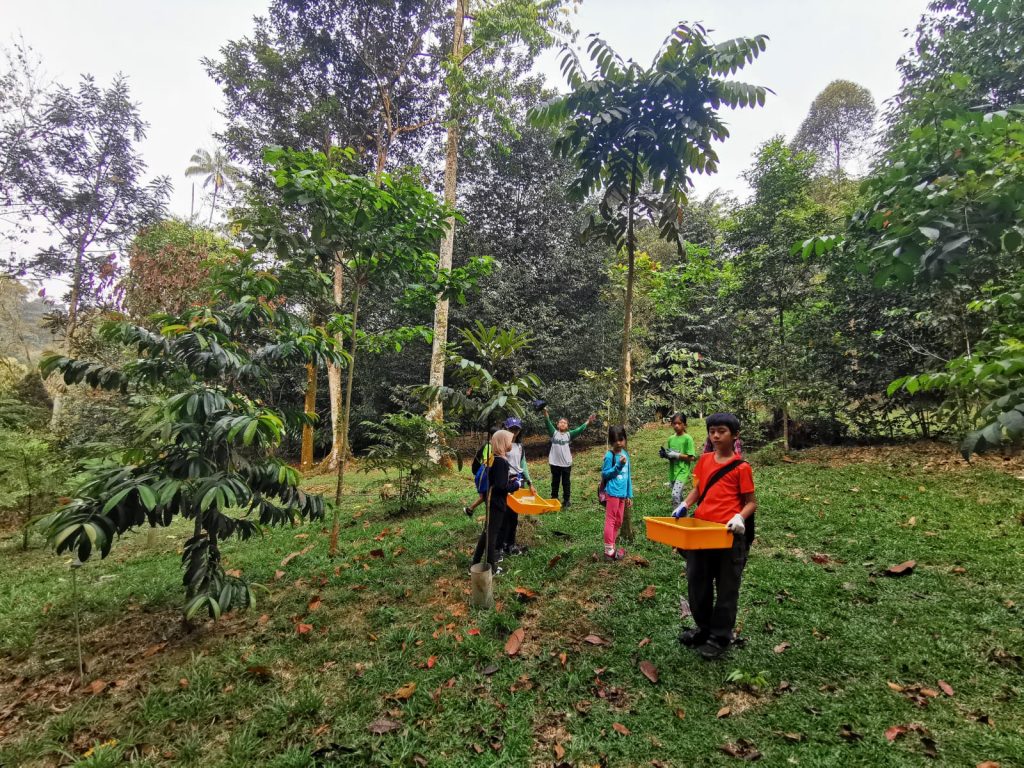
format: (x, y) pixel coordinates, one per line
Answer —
(331, 651)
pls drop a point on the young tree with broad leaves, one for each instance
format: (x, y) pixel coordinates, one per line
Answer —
(208, 449)
(386, 226)
(636, 134)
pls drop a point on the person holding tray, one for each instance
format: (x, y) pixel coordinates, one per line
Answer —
(723, 489)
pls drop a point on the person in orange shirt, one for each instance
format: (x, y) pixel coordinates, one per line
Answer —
(723, 491)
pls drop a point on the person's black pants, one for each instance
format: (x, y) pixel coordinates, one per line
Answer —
(491, 535)
(507, 538)
(713, 579)
(560, 476)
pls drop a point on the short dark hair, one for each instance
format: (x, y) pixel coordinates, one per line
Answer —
(616, 432)
(723, 420)
(677, 417)
(491, 430)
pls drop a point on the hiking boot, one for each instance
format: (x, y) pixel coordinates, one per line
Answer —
(712, 649)
(693, 637)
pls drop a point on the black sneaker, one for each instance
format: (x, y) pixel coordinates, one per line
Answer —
(693, 637)
(468, 511)
(712, 649)
(498, 570)
(566, 504)
(518, 549)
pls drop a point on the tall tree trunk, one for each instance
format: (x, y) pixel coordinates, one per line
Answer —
(213, 205)
(626, 374)
(306, 455)
(334, 371)
(343, 453)
(785, 379)
(436, 411)
(73, 301)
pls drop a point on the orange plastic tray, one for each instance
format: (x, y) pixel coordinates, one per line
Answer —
(688, 533)
(526, 502)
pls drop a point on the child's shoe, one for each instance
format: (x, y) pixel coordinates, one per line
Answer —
(518, 549)
(616, 555)
(693, 637)
(468, 511)
(713, 649)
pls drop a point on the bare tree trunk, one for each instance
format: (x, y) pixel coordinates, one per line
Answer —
(626, 374)
(436, 411)
(343, 452)
(785, 379)
(306, 455)
(334, 372)
(213, 205)
(69, 334)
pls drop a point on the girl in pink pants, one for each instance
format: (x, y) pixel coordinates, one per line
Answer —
(618, 487)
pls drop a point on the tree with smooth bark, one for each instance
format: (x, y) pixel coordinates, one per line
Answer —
(838, 125)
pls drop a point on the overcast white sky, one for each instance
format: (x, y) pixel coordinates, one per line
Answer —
(158, 45)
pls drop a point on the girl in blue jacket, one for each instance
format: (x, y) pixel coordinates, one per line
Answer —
(617, 478)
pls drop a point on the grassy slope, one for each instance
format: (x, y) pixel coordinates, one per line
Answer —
(252, 690)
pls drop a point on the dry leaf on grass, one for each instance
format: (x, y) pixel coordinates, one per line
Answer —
(314, 604)
(259, 673)
(278, 575)
(796, 738)
(383, 725)
(988, 764)
(743, 749)
(288, 558)
(236, 572)
(153, 649)
(515, 641)
(563, 657)
(620, 728)
(946, 688)
(489, 670)
(525, 595)
(559, 751)
(594, 640)
(903, 569)
(97, 686)
(404, 693)
(647, 594)
(724, 712)
(782, 647)
(643, 642)
(847, 733)
(649, 671)
(303, 629)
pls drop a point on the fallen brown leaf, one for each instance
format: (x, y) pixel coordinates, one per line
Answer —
(554, 561)
(896, 687)
(958, 569)
(903, 569)
(946, 688)
(378, 553)
(233, 572)
(847, 733)
(278, 575)
(681, 714)
(97, 687)
(782, 647)
(620, 728)
(515, 641)
(563, 657)
(649, 671)
(489, 670)
(988, 764)
(525, 595)
(647, 594)
(894, 732)
(384, 725)
(431, 662)
(593, 640)
(559, 751)
(931, 693)
(263, 619)
(288, 558)
(404, 693)
(643, 642)
(796, 738)
(303, 629)
(742, 749)
(183, 682)
(153, 649)
(724, 712)
(314, 604)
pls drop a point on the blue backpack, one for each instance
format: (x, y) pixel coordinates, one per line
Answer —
(481, 477)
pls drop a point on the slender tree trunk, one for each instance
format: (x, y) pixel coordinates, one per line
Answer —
(213, 205)
(306, 460)
(343, 453)
(334, 371)
(437, 356)
(69, 335)
(625, 380)
(785, 379)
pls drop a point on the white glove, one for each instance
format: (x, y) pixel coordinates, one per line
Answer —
(675, 455)
(680, 511)
(736, 525)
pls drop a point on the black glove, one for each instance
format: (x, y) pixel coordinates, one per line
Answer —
(662, 453)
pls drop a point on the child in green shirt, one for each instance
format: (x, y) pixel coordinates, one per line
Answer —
(681, 454)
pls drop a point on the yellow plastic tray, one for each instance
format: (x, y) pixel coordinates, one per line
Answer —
(688, 533)
(527, 502)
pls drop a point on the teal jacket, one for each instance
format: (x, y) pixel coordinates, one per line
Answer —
(618, 477)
